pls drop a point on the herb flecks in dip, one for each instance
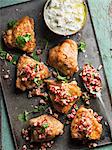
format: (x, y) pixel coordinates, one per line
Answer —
(65, 17)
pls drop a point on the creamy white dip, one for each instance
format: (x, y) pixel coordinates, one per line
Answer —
(65, 17)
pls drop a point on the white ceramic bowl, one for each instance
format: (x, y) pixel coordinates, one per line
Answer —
(58, 32)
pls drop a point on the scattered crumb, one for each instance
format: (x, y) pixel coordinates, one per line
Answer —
(86, 56)
(46, 145)
(50, 110)
(27, 138)
(99, 67)
(29, 94)
(55, 115)
(67, 122)
(106, 123)
(6, 76)
(99, 118)
(31, 146)
(91, 145)
(95, 144)
(39, 51)
(24, 147)
(8, 71)
(3, 70)
(42, 101)
(86, 98)
(97, 52)
(16, 9)
(87, 102)
(54, 73)
(16, 108)
(79, 36)
(9, 57)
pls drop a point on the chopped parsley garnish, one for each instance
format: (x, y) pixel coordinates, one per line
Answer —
(37, 81)
(34, 56)
(14, 59)
(40, 108)
(82, 46)
(4, 54)
(23, 117)
(22, 40)
(59, 77)
(44, 126)
(12, 24)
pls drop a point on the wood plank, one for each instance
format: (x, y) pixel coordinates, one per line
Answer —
(102, 20)
(4, 3)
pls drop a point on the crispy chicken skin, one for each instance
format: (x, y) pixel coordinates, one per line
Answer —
(45, 128)
(23, 27)
(85, 125)
(28, 71)
(63, 95)
(64, 57)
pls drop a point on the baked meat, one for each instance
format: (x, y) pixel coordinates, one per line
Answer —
(45, 128)
(30, 73)
(64, 57)
(63, 95)
(21, 35)
(85, 125)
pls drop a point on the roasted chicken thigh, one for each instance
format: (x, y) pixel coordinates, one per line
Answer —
(30, 73)
(45, 128)
(21, 35)
(63, 95)
(64, 57)
(85, 125)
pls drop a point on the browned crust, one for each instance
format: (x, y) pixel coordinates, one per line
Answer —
(28, 84)
(55, 125)
(11, 34)
(64, 57)
(97, 127)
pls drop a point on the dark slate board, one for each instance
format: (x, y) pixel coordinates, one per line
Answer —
(17, 102)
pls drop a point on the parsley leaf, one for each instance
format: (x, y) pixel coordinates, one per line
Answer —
(37, 81)
(59, 77)
(23, 117)
(40, 108)
(44, 126)
(3, 54)
(22, 40)
(27, 37)
(82, 46)
(12, 24)
(14, 59)
(34, 56)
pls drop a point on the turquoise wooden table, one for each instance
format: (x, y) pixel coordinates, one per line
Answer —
(101, 11)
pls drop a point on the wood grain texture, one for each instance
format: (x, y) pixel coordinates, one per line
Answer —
(4, 3)
(102, 20)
